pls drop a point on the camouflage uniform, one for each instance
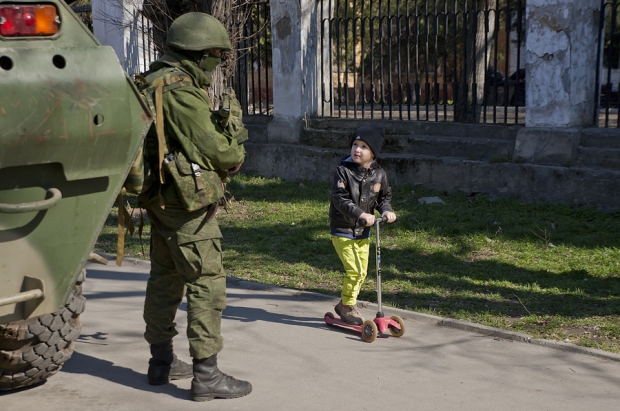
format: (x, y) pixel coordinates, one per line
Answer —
(186, 253)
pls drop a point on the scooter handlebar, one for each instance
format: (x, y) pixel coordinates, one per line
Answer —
(377, 220)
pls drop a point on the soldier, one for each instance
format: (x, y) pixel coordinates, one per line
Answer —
(199, 149)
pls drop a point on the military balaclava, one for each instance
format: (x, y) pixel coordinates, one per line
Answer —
(209, 62)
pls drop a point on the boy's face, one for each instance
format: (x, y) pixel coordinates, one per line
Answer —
(361, 153)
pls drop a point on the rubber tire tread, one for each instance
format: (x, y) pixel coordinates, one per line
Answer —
(33, 350)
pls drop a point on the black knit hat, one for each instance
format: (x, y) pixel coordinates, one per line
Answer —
(371, 135)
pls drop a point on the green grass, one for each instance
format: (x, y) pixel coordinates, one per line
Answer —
(551, 271)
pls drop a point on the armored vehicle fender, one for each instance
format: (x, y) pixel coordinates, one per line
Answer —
(71, 123)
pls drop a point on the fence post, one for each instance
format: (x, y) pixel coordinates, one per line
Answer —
(561, 47)
(296, 73)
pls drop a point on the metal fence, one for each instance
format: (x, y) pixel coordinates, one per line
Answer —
(431, 60)
(439, 60)
(253, 78)
(608, 66)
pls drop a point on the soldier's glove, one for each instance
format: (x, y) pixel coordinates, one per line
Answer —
(231, 116)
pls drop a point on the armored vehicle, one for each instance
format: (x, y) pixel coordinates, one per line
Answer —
(71, 123)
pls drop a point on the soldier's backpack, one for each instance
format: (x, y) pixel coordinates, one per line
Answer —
(140, 175)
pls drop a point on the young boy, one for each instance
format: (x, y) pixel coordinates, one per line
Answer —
(360, 187)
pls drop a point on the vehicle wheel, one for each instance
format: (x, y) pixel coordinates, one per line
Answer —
(395, 331)
(328, 314)
(369, 331)
(32, 350)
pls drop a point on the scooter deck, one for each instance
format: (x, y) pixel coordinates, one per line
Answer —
(370, 329)
(331, 320)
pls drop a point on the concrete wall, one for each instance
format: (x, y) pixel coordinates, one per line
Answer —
(471, 159)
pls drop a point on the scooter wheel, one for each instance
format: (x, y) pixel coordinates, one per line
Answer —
(328, 314)
(369, 331)
(395, 331)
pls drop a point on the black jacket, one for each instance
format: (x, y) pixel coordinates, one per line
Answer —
(357, 190)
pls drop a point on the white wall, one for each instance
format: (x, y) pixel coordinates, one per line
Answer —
(115, 24)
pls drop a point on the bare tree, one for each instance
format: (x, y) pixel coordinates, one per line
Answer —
(161, 13)
(480, 33)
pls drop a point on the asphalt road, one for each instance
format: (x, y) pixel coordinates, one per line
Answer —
(277, 339)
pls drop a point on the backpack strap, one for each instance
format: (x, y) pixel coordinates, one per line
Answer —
(166, 82)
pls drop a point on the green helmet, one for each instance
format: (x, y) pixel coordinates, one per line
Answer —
(197, 31)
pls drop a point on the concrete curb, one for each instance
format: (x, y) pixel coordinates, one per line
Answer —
(405, 314)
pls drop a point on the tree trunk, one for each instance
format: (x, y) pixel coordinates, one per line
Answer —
(162, 13)
(480, 27)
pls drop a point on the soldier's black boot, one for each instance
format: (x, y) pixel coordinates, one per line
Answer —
(165, 366)
(209, 382)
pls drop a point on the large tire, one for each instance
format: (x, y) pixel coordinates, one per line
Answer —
(35, 349)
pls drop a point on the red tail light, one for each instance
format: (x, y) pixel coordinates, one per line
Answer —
(32, 20)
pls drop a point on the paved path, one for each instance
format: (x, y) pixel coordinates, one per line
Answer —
(277, 340)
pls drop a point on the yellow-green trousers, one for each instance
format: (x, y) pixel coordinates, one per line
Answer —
(354, 257)
(186, 256)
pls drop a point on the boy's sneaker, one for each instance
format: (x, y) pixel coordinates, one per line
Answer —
(349, 314)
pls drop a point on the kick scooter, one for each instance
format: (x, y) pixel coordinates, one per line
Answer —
(370, 329)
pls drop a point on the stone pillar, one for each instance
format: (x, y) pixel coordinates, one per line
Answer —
(561, 45)
(296, 73)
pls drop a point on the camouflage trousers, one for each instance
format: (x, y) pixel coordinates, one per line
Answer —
(186, 257)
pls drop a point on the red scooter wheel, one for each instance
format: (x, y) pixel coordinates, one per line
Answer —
(395, 331)
(369, 331)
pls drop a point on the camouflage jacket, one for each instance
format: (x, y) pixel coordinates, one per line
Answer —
(191, 127)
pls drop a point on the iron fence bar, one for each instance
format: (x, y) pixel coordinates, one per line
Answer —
(252, 59)
(321, 108)
(427, 84)
(408, 60)
(355, 70)
(435, 62)
(455, 84)
(520, 87)
(399, 17)
(507, 21)
(331, 59)
(417, 60)
(363, 77)
(495, 52)
(614, 27)
(259, 90)
(338, 60)
(601, 35)
(610, 64)
(388, 27)
(242, 75)
(445, 60)
(486, 13)
(474, 86)
(346, 21)
(465, 89)
(371, 30)
(381, 72)
(267, 18)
